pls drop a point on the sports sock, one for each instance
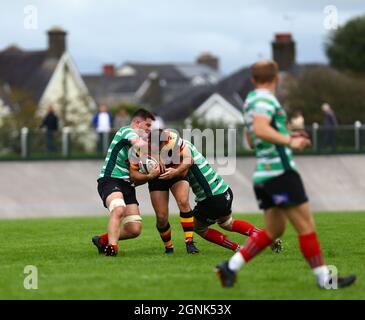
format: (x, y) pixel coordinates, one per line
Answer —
(236, 262)
(187, 222)
(219, 238)
(104, 239)
(311, 250)
(257, 242)
(165, 234)
(244, 227)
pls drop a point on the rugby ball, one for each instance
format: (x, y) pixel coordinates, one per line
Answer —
(146, 164)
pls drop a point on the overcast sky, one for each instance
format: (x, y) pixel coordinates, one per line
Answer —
(115, 31)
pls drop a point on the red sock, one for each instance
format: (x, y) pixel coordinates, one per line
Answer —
(104, 239)
(311, 249)
(243, 227)
(219, 238)
(257, 242)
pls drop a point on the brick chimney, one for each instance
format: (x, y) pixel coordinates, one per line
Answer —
(56, 42)
(283, 51)
(109, 70)
(209, 60)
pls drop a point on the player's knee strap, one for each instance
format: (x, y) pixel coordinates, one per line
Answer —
(226, 223)
(132, 218)
(116, 203)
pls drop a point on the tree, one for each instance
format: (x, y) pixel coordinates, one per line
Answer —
(321, 84)
(345, 47)
(24, 110)
(22, 114)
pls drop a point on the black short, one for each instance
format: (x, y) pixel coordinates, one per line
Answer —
(164, 185)
(213, 208)
(107, 185)
(282, 191)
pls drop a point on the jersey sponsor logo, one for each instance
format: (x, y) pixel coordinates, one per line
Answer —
(281, 198)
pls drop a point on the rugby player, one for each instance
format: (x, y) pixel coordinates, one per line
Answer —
(115, 187)
(213, 195)
(277, 184)
(159, 193)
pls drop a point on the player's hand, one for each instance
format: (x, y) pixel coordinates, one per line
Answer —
(169, 174)
(299, 143)
(162, 167)
(299, 133)
(154, 173)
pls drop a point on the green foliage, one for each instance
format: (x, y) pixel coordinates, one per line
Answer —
(345, 46)
(320, 84)
(69, 266)
(22, 115)
(24, 111)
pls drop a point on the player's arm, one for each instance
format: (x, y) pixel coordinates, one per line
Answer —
(137, 142)
(139, 178)
(182, 168)
(248, 139)
(263, 130)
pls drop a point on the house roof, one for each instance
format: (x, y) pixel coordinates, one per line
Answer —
(26, 70)
(175, 79)
(174, 71)
(99, 84)
(233, 88)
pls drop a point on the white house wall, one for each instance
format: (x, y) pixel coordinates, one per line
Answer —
(4, 111)
(80, 106)
(218, 110)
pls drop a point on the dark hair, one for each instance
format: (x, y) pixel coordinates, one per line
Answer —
(144, 114)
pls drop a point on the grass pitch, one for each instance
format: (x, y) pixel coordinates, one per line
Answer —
(70, 268)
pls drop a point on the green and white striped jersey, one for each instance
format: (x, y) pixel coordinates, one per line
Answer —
(204, 180)
(116, 164)
(272, 160)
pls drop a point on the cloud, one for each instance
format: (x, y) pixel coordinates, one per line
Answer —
(163, 30)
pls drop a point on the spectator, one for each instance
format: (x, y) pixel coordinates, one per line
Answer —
(102, 122)
(297, 121)
(329, 123)
(122, 118)
(50, 122)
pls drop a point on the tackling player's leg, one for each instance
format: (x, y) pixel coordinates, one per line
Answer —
(212, 235)
(180, 191)
(207, 212)
(245, 228)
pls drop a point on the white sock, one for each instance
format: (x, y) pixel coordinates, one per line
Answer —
(323, 275)
(236, 262)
